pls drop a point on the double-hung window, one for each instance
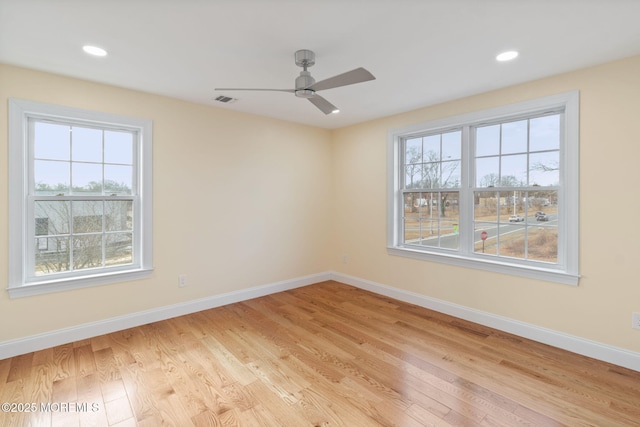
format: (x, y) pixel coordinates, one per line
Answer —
(80, 198)
(495, 189)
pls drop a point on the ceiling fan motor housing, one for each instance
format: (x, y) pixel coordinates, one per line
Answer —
(303, 82)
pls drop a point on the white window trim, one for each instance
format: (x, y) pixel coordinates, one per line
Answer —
(568, 273)
(19, 113)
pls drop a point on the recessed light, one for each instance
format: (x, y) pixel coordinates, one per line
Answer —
(507, 56)
(94, 50)
(336, 111)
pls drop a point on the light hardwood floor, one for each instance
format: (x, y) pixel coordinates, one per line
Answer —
(322, 355)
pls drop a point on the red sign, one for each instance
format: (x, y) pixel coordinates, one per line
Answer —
(483, 235)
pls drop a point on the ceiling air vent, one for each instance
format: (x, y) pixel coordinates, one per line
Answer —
(225, 99)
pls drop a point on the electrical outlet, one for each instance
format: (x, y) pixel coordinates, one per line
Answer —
(182, 280)
(345, 258)
(635, 319)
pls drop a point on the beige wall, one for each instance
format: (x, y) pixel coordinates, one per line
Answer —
(600, 307)
(242, 201)
(239, 201)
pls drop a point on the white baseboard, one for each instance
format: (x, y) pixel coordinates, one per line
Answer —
(88, 330)
(574, 344)
(596, 350)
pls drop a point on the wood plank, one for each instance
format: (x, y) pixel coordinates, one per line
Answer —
(118, 410)
(63, 362)
(20, 367)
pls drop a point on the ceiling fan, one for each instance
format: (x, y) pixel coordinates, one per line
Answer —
(307, 87)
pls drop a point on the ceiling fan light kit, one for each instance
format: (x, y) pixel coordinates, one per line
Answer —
(306, 86)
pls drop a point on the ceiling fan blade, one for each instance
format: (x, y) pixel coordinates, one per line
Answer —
(358, 75)
(270, 90)
(324, 105)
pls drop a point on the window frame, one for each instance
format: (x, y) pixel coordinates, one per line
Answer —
(566, 271)
(22, 202)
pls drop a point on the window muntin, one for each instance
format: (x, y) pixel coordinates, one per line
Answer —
(519, 158)
(80, 198)
(515, 225)
(432, 161)
(432, 165)
(83, 189)
(431, 219)
(517, 183)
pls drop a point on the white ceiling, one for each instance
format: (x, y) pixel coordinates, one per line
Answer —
(422, 52)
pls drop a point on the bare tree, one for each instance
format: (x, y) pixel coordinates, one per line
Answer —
(70, 235)
(413, 167)
(542, 167)
(439, 174)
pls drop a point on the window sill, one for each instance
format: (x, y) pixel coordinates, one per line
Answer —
(49, 286)
(549, 275)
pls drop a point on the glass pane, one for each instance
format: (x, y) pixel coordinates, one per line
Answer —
(51, 217)
(87, 216)
(513, 170)
(544, 133)
(413, 176)
(118, 147)
(543, 244)
(449, 220)
(431, 175)
(514, 137)
(87, 251)
(413, 151)
(430, 232)
(513, 206)
(486, 204)
(488, 141)
(86, 145)
(51, 177)
(485, 238)
(485, 216)
(544, 206)
(451, 145)
(51, 141)
(487, 172)
(41, 226)
(51, 255)
(412, 204)
(118, 215)
(119, 249)
(512, 240)
(431, 148)
(451, 177)
(118, 180)
(87, 178)
(544, 168)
